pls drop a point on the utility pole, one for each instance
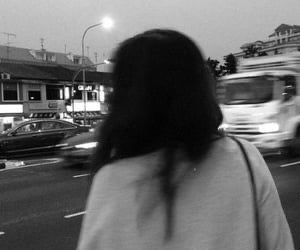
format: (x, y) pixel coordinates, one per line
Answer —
(88, 51)
(42, 43)
(8, 35)
(96, 57)
(65, 53)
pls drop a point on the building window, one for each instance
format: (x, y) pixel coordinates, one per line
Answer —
(92, 95)
(67, 93)
(10, 92)
(54, 92)
(34, 95)
(76, 60)
(77, 94)
(43, 55)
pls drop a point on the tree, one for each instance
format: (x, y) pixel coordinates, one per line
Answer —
(230, 64)
(262, 53)
(214, 67)
(251, 50)
(254, 49)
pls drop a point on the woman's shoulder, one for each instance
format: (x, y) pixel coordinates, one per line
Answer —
(129, 169)
(229, 145)
(226, 145)
(262, 176)
(226, 150)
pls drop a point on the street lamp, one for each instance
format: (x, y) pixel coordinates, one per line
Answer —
(107, 23)
(107, 61)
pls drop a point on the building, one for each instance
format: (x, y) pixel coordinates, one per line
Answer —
(39, 83)
(284, 39)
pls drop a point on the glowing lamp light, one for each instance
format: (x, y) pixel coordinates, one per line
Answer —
(87, 145)
(107, 23)
(268, 127)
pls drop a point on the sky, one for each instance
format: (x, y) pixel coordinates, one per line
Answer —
(219, 27)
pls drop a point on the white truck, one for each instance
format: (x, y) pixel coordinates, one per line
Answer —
(261, 102)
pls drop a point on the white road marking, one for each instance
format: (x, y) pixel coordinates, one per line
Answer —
(74, 215)
(48, 161)
(81, 175)
(289, 164)
(271, 154)
(1, 233)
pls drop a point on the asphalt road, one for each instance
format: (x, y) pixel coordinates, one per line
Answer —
(42, 203)
(40, 206)
(286, 174)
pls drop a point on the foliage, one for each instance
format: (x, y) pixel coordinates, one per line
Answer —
(214, 67)
(262, 53)
(251, 50)
(230, 64)
(218, 69)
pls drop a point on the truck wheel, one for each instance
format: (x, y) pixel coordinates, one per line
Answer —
(294, 147)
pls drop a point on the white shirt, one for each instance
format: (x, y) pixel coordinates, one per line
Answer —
(213, 208)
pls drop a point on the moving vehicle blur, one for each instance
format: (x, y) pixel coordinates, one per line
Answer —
(36, 136)
(261, 102)
(77, 150)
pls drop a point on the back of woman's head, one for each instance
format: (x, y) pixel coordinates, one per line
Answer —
(163, 98)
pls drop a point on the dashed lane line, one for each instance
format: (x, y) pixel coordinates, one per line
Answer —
(74, 215)
(271, 154)
(81, 175)
(290, 164)
(2, 233)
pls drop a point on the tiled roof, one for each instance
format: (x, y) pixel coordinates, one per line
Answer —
(283, 27)
(24, 54)
(58, 72)
(23, 71)
(52, 73)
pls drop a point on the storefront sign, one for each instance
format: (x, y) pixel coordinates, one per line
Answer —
(11, 108)
(52, 105)
(87, 87)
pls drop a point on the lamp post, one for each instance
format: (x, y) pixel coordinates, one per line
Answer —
(107, 23)
(73, 82)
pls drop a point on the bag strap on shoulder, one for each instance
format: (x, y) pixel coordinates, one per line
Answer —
(253, 187)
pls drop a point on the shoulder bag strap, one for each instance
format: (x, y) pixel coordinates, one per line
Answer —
(252, 187)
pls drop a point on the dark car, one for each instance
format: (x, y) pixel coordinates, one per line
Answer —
(77, 151)
(37, 136)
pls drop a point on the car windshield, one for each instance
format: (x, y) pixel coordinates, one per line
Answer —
(247, 90)
(6, 131)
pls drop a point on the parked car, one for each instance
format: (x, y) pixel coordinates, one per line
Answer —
(37, 136)
(77, 150)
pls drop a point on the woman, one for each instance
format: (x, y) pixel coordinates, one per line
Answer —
(168, 178)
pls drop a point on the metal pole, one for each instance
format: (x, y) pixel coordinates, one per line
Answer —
(83, 70)
(74, 78)
(83, 82)
(72, 88)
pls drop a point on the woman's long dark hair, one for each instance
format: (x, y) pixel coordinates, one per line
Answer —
(163, 98)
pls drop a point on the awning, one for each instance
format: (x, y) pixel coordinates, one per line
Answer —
(93, 115)
(42, 115)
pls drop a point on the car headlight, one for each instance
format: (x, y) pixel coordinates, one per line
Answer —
(87, 145)
(223, 127)
(268, 127)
